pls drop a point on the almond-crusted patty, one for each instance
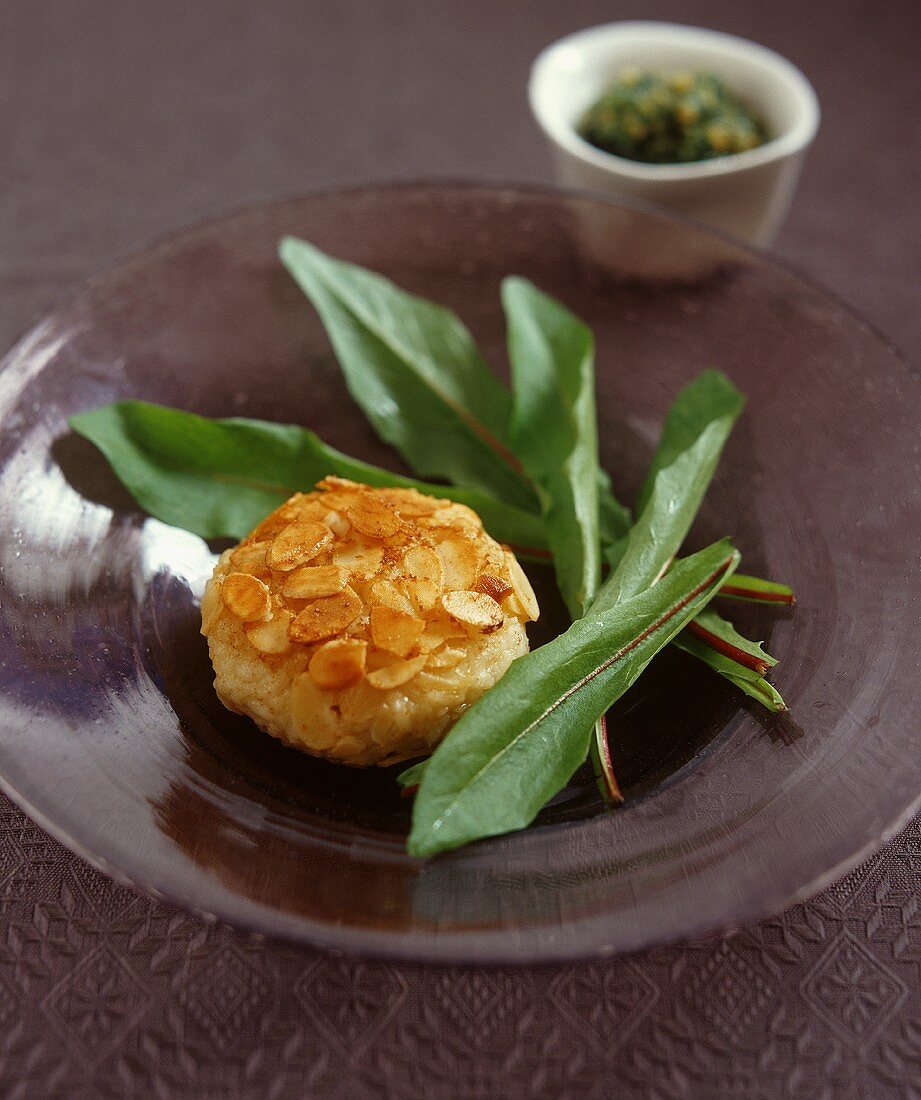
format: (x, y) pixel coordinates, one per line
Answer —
(358, 623)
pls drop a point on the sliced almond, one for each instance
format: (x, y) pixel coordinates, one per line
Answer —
(378, 658)
(310, 582)
(337, 523)
(326, 617)
(297, 544)
(246, 597)
(397, 674)
(271, 637)
(338, 664)
(251, 559)
(439, 632)
(410, 503)
(474, 609)
(447, 657)
(364, 561)
(333, 483)
(395, 631)
(374, 517)
(211, 607)
(456, 515)
(423, 594)
(385, 593)
(493, 586)
(422, 563)
(522, 587)
(460, 560)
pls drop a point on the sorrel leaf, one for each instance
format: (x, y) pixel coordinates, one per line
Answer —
(519, 744)
(555, 434)
(745, 679)
(709, 397)
(553, 430)
(670, 508)
(414, 370)
(756, 590)
(219, 478)
(715, 625)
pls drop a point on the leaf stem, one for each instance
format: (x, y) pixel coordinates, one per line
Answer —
(739, 592)
(603, 765)
(728, 649)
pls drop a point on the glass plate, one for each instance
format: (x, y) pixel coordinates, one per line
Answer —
(111, 735)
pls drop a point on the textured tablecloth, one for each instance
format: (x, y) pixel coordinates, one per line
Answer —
(120, 121)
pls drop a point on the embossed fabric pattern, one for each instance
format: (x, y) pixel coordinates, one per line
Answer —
(106, 993)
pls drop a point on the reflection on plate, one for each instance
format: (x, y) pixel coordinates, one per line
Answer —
(110, 733)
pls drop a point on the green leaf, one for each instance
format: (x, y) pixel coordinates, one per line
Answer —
(701, 419)
(412, 367)
(758, 591)
(710, 397)
(219, 478)
(553, 430)
(412, 776)
(670, 508)
(746, 679)
(714, 623)
(555, 434)
(519, 744)
(614, 518)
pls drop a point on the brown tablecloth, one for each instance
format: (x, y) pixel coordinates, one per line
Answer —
(123, 121)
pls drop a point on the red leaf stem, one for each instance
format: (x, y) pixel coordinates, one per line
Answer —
(728, 649)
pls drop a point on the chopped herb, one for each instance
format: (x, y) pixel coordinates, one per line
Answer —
(671, 118)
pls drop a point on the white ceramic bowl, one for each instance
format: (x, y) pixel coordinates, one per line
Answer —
(745, 194)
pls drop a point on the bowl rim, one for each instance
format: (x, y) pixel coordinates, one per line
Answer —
(563, 134)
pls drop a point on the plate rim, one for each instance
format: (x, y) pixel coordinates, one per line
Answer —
(418, 946)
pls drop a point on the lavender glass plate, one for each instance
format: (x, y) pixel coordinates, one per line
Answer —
(112, 738)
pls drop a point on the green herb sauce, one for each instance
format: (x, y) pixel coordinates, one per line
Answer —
(671, 118)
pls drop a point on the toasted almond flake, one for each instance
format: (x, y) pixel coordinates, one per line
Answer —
(460, 513)
(326, 617)
(333, 483)
(460, 560)
(338, 664)
(211, 607)
(440, 631)
(395, 630)
(455, 515)
(428, 643)
(378, 658)
(337, 523)
(445, 658)
(385, 593)
(297, 544)
(493, 586)
(514, 606)
(522, 587)
(410, 503)
(246, 597)
(363, 561)
(310, 582)
(271, 637)
(474, 609)
(422, 593)
(397, 674)
(250, 558)
(374, 517)
(422, 563)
